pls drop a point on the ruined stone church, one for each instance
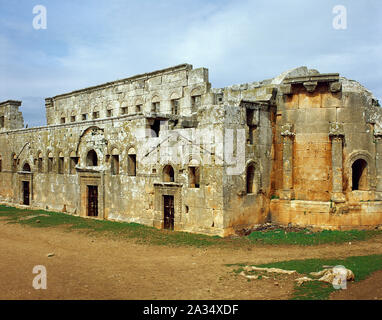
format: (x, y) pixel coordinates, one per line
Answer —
(166, 149)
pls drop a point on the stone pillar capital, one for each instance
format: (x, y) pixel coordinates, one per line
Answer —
(287, 130)
(336, 130)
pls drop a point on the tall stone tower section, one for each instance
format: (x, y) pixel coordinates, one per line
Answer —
(10, 116)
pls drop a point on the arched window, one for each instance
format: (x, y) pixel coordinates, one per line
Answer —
(26, 167)
(50, 162)
(359, 175)
(92, 159)
(39, 162)
(168, 174)
(73, 162)
(250, 177)
(115, 162)
(194, 174)
(61, 163)
(14, 162)
(132, 162)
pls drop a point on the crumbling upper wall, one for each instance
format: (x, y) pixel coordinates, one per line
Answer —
(168, 91)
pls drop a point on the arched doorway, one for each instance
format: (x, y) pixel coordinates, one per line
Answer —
(359, 175)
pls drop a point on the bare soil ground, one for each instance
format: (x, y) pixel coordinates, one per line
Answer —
(369, 289)
(97, 267)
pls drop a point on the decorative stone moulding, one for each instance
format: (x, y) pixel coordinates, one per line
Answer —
(377, 131)
(335, 87)
(287, 130)
(336, 129)
(310, 86)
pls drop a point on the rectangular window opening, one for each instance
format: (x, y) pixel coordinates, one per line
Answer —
(132, 164)
(115, 164)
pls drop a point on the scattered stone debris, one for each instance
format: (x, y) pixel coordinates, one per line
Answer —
(335, 275)
(269, 270)
(252, 277)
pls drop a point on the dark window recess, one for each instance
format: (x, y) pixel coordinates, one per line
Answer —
(251, 134)
(92, 159)
(132, 164)
(115, 164)
(195, 102)
(168, 174)
(155, 107)
(155, 128)
(73, 163)
(175, 106)
(359, 175)
(251, 126)
(194, 177)
(39, 164)
(50, 164)
(26, 167)
(61, 162)
(250, 179)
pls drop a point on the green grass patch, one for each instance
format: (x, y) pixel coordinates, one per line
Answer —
(308, 238)
(150, 235)
(138, 232)
(362, 267)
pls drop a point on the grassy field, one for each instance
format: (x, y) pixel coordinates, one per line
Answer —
(145, 234)
(362, 267)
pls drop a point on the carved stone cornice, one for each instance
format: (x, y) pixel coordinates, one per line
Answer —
(310, 86)
(336, 130)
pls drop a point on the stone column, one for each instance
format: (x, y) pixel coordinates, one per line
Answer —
(288, 137)
(378, 158)
(336, 135)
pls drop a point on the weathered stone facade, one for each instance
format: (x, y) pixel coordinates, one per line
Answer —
(165, 149)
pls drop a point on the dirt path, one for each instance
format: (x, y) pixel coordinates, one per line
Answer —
(87, 267)
(369, 289)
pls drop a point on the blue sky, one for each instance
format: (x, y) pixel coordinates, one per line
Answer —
(92, 42)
